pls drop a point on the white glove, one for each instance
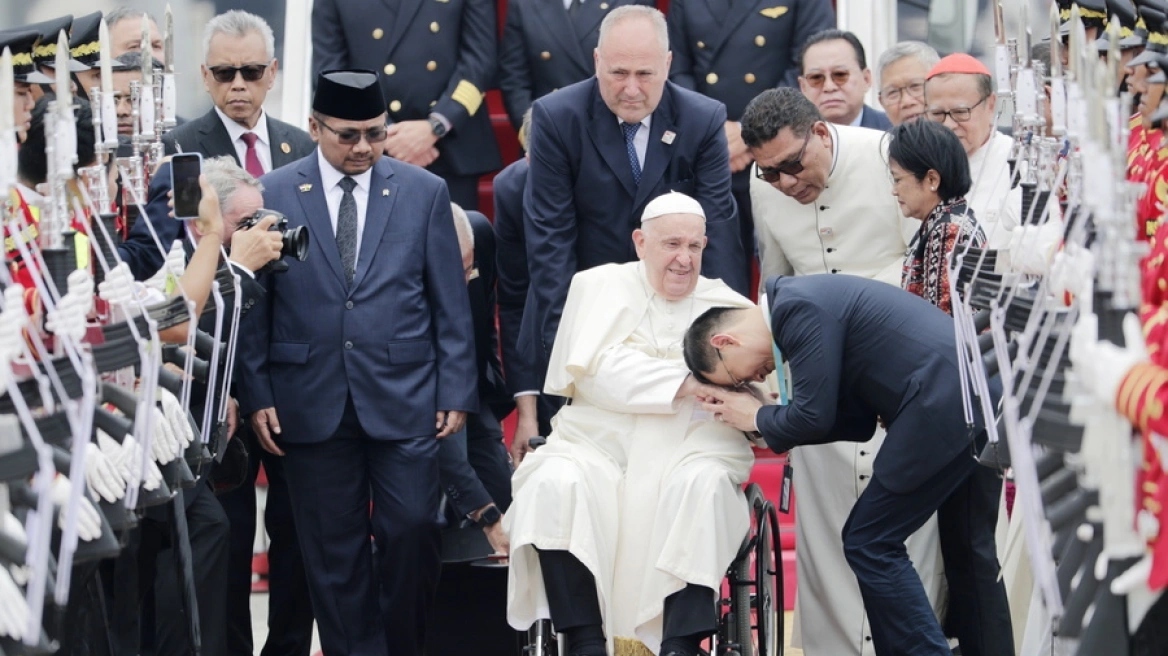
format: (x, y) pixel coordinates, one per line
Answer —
(113, 451)
(132, 454)
(88, 517)
(102, 475)
(164, 444)
(1073, 271)
(13, 609)
(177, 416)
(10, 525)
(1100, 366)
(1032, 247)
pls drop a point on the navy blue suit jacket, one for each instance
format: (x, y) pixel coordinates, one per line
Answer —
(431, 55)
(398, 340)
(733, 51)
(511, 257)
(545, 48)
(875, 119)
(860, 349)
(581, 204)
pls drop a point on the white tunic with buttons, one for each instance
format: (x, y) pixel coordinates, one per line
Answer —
(855, 228)
(646, 492)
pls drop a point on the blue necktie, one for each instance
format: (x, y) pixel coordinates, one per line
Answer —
(347, 229)
(630, 130)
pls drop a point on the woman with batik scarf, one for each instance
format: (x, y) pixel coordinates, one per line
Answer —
(930, 177)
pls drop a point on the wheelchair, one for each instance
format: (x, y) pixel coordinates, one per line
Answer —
(750, 606)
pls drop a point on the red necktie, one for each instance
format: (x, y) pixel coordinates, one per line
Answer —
(251, 161)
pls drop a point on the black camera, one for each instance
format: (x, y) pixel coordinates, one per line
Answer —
(295, 241)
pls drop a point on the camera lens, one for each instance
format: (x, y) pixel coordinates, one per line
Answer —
(296, 243)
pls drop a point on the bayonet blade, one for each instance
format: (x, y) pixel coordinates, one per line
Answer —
(168, 42)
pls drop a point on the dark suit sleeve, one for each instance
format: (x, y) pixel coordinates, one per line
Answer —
(724, 255)
(450, 310)
(511, 267)
(811, 16)
(549, 221)
(251, 292)
(139, 250)
(477, 50)
(514, 68)
(681, 71)
(329, 48)
(813, 342)
(254, 384)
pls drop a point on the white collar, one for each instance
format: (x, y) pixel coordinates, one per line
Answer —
(835, 150)
(647, 122)
(235, 130)
(859, 118)
(330, 177)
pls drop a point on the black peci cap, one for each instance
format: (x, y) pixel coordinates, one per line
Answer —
(350, 95)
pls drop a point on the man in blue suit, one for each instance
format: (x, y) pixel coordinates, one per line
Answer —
(603, 148)
(861, 351)
(359, 361)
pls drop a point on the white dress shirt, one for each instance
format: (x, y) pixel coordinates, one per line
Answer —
(263, 143)
(641, 140)
(333, 193)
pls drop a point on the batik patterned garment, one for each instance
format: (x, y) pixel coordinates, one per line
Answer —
(951, 226)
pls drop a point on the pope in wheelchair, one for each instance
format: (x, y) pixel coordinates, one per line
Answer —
(623, 525)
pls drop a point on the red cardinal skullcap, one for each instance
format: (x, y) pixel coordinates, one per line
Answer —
(958, 62)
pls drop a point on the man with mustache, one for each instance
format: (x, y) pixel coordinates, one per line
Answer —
(360, 359)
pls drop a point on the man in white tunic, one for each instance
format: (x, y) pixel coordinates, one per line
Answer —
(823, 203)
(623, 524)
(959, 92)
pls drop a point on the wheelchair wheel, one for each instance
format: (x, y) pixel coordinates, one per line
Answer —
(756, 598)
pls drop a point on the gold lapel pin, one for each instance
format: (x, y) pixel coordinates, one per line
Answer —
(306, 187)
(285, 147)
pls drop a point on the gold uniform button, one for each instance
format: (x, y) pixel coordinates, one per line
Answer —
(760, 40)
(712, 78)
(395, 106)
(390, 69)
(378, 33)
(434, 27)
(701, 45)
(749, 78)
(545, 55)
(430, 66)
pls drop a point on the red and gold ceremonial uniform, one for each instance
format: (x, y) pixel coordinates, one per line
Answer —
(1147, 159)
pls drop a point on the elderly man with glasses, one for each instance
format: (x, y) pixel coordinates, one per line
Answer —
(824, 205)
(959, 92)
(902, 70)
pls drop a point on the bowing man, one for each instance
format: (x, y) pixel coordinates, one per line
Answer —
(623, 525)
(359, 361)
(861, 351)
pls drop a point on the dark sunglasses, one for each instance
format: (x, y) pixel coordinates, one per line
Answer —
(250, 72)
(352, 137)
(816, 80)
(771, 174)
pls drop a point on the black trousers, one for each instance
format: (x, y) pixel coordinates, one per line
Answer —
(289, 608)
(464, 190)
(740, 189)
(209, 531)
(899, 612)
(367, 603)
(573, 600)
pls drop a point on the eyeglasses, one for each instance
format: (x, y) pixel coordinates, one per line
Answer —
(816, 80)
(961, 114)
(738, 384)
(790, 167)
(251, 72)
(352, 137)
(915, 89)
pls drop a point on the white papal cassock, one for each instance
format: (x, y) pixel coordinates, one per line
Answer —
(645, 492)
(853, 228)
